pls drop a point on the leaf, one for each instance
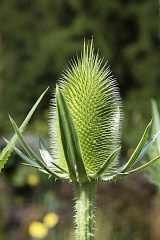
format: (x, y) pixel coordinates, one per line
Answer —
(30, 152)
(138, 169)
(112, 176)
(34, 156)
(45, 154)
(156, 121)
(70, 140)
(26, 159)
(10, 146)
(145, 165)
(120, 173)
(107, 163)
(146, 147)
(47, 157)
(137, 151)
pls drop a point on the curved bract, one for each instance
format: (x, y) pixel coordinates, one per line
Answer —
(6, 152)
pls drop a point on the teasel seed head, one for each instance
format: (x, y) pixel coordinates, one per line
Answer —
(92, 95)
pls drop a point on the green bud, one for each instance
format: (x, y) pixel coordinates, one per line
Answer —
(93, 98)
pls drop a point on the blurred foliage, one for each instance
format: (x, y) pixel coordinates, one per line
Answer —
(124, 210)
(37, 39)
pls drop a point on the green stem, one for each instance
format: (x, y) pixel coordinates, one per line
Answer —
(85, 211)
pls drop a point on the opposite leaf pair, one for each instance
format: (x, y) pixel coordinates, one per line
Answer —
(76, 169)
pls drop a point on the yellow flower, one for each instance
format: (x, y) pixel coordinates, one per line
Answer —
(33, 179)
(37, 230)
(51, 219)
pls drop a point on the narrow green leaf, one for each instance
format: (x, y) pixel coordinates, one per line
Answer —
(10, 146)
(47, 157)
(120, 174)
(34, 156)
(30, 152)
(113, 176)
(156, 121)
(45, 154)
(145, 165)
(107, 163)
(146, 147)
(70, 140)
(137, 151)
(25, 158)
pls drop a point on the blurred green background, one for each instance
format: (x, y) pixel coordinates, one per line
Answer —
(37, 40)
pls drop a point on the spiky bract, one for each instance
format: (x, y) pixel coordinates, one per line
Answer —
(93, 99)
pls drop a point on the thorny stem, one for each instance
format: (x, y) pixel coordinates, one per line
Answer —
(85, 211)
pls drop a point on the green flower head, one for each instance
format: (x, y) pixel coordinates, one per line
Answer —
(93, 98)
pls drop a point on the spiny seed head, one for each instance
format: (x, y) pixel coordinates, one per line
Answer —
(93, 98)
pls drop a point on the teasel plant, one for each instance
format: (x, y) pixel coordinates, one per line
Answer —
(85, 121)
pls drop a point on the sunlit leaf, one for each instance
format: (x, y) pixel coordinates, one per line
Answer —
(108, 162)
(156, 119)
(70, 140)
(137, 151)
(47, 157)
(145, 165)
(10, 145)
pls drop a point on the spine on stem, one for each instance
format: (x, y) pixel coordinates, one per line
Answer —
(85, 196)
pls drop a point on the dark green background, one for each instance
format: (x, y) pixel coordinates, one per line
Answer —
(37, 40)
